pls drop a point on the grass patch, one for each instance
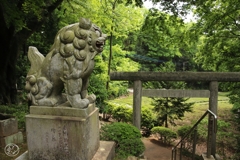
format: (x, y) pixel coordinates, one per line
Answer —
(128, 100)
(199, 108)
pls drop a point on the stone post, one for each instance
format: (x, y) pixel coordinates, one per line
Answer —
(137, 100)
(213, 103)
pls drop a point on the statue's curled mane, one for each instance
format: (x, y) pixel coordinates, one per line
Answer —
(66, 67)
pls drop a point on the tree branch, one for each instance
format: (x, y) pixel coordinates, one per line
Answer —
(34, 24)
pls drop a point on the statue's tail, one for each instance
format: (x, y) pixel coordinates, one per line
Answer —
(36, 60)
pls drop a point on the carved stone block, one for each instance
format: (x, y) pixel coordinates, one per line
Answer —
(13, 138)
(68, 133)
(8, 125)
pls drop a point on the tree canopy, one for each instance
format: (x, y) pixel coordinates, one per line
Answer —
(18, 20)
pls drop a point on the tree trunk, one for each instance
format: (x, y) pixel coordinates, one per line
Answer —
(8, 57)
(166, 115)
(110, 58)
(10, 45)
(166, 121)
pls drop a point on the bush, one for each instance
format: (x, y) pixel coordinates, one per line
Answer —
(225, 135)
(183, 130)
(122, 114)
(148, 118)
(118, 112)
(188, 142)
(165, 134)
(117, 89)
(202, 129)
(126, 137)
(19, 111)
(107, 109)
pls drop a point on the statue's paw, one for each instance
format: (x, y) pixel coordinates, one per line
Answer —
(91, 98)
(77, 102)
(66, 75)
(84, 103)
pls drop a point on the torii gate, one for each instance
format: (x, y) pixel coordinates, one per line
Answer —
(212, 77)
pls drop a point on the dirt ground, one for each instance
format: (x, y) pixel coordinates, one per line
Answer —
(154, 150)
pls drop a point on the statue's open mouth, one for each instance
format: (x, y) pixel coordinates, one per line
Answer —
(100, 44)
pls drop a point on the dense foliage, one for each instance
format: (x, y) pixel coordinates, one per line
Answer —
(18, 111)
(236, 111)
(170, 109)
(123, 113)
(18, 20)
(225, 136)
(164, 134)
(127, 138)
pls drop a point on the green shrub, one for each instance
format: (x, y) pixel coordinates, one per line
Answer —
(202, 129)
(187, 153)
(126, 136)
(188, 142)
(122, 114)
(117, 89)
(183, 130)
(165, 134)
(118, 112)
(107, 109)
(148, 118)
(19, 111)
(225, 135)
(131, 147)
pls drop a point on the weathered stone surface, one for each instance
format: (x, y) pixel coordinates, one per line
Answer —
(132, 158)
(175, 93)
(62, 77)
(177, 76)
(62, 111)
(23, 156)
(137, 101)
(106, 151)
(217, 157)
(8, 126)
(204, 156)
(14, 138)
(62, 137)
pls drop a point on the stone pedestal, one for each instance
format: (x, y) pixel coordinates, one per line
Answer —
(9, 130)
(106, 151)
(62, 133)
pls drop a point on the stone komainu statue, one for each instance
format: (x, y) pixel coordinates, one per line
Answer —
(61, 78)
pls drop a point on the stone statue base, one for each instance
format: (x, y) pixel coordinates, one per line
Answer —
(106, 151)
(62, 133)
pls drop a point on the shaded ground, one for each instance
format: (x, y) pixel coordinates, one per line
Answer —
(22, 149)
(155, 150)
